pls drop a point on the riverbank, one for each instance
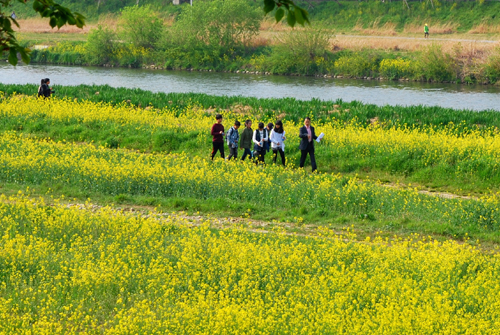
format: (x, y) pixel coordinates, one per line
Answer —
(432, 64)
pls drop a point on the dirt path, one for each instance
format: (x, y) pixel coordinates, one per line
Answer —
(419, 38)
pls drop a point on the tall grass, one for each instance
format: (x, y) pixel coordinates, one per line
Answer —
(286, 108)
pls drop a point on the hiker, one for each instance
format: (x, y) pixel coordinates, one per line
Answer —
(307, 135)
(232, 140)
(246, 140)
(218, 136)
(426, 31)
(277, 139)
(13, 16)
(259, 139)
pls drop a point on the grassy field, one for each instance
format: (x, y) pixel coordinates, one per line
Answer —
(114, 220)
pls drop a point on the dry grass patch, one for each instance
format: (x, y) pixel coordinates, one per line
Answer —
(485, 28)
(387, 29)
(41, 26)
(358, 43)
(447, 28)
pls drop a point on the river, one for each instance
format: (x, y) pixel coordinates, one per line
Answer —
(474, 97)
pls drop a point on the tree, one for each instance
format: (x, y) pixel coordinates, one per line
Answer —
(218, 24)
(57, 14)
(140, 26)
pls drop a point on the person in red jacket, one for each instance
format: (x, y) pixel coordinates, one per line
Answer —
(218, 136)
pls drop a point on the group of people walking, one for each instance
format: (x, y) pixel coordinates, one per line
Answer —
(261, 140)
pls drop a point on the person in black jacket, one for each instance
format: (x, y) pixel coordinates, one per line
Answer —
(307, 136)
(41, 88)
(44, 90)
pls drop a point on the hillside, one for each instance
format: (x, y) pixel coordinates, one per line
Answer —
(390, 17)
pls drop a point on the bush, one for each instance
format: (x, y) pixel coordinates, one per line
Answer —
(212, 29)
(397, 68)
(140, 26)
(437, 65)
(356, 65)
(303, 51)
(492, 69)
(100, 46)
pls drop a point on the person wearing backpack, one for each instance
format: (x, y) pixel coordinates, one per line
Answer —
(260, 137)
(232, 138)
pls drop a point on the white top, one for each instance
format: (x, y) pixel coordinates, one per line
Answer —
(277, 140)
(264, 139)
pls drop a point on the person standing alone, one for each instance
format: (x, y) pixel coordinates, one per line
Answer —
(307, 136)
(426, 31)
(218, 136)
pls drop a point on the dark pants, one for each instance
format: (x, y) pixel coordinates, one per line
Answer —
(218, 146)
(233, 152)
(310, 150)
(282, 154)
(261, 155)
(247, 152)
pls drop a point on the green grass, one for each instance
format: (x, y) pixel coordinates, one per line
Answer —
(294, 110)
(473, 177)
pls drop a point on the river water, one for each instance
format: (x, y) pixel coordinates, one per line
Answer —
(261, 86)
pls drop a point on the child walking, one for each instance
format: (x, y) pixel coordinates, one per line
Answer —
(246, 140)
(232, 140)
(260, 138)
(277, 139)
(218, 136)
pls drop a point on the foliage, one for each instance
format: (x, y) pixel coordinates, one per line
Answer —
(356, 64)
(290, 109)
(216, 26)
(427, 154)
(70, 270)
(57, 14)
(303, 51)
(101, 46)
(397, 68)
(140, 26)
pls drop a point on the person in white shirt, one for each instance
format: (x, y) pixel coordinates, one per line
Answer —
(259, 138)
(277, 139)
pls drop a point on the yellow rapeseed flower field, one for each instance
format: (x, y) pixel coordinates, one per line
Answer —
(386, 148)
(69, 270)
(115, 172)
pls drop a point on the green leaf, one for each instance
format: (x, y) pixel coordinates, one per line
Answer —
(13, 56)
(52, 22)
(37, 6)
(71, 20)
(24, 55)
(290, 18)
(305, 15)
(298, 16)
(269, 5)
(279, 14)
(61, 22)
